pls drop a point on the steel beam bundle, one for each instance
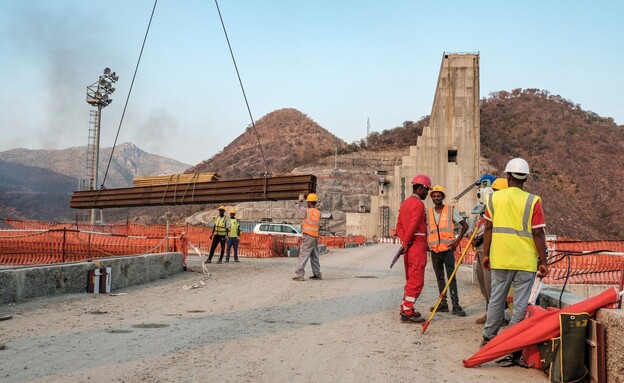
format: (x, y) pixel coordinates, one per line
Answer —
(254, 189)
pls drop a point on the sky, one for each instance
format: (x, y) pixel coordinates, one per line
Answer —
(342, 63)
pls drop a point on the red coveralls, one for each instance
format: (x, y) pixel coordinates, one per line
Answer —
(412, 227)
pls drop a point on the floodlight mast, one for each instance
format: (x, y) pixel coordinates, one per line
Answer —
(98, 95)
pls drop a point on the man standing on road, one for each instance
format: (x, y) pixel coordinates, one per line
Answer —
(442, 243)
(232, 237)
(219, 233)
(484, 276)
(412, 230)
(309, 246)
(514, 246)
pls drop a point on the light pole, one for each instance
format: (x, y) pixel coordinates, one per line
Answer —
(98, 95)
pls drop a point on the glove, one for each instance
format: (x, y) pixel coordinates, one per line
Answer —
(301, 198)
(211, 235)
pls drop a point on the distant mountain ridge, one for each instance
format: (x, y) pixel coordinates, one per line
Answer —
(128, 162)
(37, 184)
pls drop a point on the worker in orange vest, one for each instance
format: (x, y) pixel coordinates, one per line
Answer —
(442, 244)
(309, 247)
(412, 230)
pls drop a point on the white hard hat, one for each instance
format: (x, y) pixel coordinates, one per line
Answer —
(518, 168)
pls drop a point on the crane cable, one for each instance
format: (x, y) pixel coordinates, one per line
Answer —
(129, 92)
(253, 124)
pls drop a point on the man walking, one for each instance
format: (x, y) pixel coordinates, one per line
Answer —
(412, 230)
(514, 246)
(232, 237)
(442, 243)
(219, 232)
(309, 247)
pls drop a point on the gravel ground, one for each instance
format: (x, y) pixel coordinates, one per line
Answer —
(249, 322)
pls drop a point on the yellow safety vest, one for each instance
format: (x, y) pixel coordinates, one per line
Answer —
(220, 226)
(233, 233)
(310, 225)
(441, 235)
(512, 247)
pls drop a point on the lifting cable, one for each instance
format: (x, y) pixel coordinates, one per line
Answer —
(253, 124)
(128, 97)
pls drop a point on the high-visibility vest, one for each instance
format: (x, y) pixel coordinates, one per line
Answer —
(512, 247)
(220, 225)
(233, 233)
(440, 235)
(311, 224)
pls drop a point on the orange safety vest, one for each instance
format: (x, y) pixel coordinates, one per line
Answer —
(311, 223)
(441, 234)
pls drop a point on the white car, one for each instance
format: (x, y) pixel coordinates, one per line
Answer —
(277, 228)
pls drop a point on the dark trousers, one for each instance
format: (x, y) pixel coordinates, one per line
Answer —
(216, 240)
(441, 261)
(232, 242)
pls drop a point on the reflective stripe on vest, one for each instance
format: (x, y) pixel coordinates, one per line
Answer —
(220, 226)
(233, 233)
(441, 235)
(512, 247)
(311, 224)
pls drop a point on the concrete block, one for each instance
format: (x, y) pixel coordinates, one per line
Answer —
(613, 320)
(22, 283)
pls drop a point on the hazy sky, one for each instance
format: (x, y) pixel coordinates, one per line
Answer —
(340, 62)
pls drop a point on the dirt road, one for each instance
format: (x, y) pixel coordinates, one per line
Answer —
(251, 323)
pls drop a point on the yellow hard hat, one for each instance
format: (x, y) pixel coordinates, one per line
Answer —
(312, 198)
(500, 183)
(222, 207)
(233, 211)
(437, 188)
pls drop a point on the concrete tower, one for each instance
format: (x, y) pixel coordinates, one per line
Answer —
(448, 150)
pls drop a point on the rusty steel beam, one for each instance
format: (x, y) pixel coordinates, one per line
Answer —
(254, 189)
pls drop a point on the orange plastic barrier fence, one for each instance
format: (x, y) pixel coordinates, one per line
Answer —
(63, 245)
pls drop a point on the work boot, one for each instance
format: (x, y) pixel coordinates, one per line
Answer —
(236, 260)
(298, 278)
(411, 318)
(481, 320)
(207, 261)
(317, 277)
(485, 341)
(457, 310)
(219, 261)
(443, 307)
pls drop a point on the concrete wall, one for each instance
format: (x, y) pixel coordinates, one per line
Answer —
(19, 284)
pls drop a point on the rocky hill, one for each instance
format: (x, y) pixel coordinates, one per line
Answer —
(576, 157)
(288, 139)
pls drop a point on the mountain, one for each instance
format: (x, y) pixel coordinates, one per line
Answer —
(28, 192)
(38, 184)
(576, 158)
(288, 138)
(128, 162)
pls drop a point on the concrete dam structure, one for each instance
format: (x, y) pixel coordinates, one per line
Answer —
(448, 150)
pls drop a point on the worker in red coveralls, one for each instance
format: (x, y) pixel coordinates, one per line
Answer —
(412, 230)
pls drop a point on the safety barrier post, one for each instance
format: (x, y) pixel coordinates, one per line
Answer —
(63, 248)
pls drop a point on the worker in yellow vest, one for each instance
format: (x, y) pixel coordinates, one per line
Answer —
(219, 233)
(441, 220)
(232, 237)
(514, 246)
(309, 246)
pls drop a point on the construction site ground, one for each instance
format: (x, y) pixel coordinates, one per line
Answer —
(250, 322)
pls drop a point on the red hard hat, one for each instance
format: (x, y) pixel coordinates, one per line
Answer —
(422, 179)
